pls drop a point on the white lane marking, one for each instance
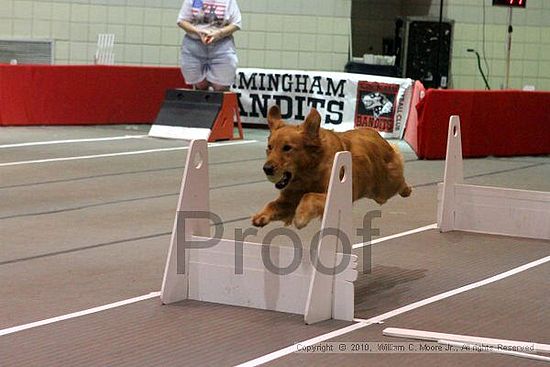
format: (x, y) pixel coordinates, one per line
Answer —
(494, 349)
(476, 340)
(70, 141)
(73, 315)
(136, 152)
(378, 319)
(393, 236)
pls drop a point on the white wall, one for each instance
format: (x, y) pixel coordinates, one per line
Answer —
(304, 34)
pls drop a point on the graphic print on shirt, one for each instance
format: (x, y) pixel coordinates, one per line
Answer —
(208, 12)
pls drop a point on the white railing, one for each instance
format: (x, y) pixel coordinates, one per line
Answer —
(105, 45)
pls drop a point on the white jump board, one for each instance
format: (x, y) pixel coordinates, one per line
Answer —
(179, 132)
(485, 209)
(213, 276)
(500, 211)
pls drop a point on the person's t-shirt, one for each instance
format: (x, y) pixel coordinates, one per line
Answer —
(209, 15)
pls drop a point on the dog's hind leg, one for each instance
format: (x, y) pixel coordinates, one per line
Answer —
(405, 190)
(380, 200)
(312, 205)
(395, 173)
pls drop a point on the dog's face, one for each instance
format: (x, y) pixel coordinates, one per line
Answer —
(289, 148)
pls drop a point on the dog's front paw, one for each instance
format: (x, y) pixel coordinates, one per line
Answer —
(301, 219)
(260, 220)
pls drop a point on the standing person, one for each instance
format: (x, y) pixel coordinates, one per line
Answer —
(208, 54)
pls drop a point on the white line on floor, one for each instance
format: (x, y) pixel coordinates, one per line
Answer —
(69, 141)
(136, 152)
(89, 311)
(470, 339)
(378, 319)
(393, 236)
(495, 349)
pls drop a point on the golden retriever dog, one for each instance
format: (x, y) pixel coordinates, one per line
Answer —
(299, 163)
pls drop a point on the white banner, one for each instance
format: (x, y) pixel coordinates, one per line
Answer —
(344, 100)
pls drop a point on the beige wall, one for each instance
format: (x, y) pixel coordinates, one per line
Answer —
(530, 43)
(304, 34)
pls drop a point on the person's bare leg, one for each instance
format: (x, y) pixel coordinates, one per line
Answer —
(201, 85)
(220, 88)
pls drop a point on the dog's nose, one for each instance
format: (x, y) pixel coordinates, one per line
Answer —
(269, 169)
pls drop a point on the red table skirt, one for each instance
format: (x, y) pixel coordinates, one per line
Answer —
(498, 123)
(76, 95)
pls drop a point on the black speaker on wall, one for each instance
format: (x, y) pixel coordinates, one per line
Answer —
(426, 50)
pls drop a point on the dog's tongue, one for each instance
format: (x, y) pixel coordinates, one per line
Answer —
(275, 179)
(281, 184)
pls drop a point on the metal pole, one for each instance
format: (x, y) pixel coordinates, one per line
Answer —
(437, 75)
(508, 49)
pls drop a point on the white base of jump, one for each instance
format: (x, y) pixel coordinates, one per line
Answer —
(210, 273)
(258, 287)
(490, 210)
(179, 132)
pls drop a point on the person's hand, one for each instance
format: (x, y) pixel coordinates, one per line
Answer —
(214, 36)
(204, 36)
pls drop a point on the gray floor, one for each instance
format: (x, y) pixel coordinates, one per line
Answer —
(76, 234)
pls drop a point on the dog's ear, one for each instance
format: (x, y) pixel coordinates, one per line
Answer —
(312, 124)
(274, 119)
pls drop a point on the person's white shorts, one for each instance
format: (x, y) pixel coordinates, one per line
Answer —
(216, 63)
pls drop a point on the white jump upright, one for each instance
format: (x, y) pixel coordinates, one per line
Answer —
(194, 197)
(483, 209)
(249, 274)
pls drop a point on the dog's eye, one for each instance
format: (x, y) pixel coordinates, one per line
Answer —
(269, 147)
(287, 148)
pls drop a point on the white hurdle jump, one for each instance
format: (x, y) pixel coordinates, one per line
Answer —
(209, 273)
(490, 210)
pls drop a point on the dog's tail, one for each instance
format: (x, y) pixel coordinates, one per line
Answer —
(396, 167)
